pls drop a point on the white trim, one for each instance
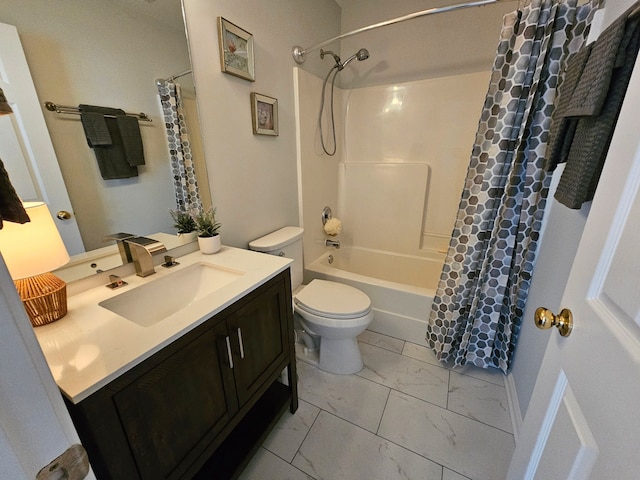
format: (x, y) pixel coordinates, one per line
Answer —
(514, 405)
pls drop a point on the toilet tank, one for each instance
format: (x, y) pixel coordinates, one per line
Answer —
(286, 242)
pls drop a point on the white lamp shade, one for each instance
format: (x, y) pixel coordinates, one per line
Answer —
(34, 247)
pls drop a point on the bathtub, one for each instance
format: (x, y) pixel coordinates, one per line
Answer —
(401, 287)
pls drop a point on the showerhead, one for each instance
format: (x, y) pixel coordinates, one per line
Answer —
(335, 57)
(361, 55)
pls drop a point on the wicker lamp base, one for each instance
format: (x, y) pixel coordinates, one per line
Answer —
(44, 297)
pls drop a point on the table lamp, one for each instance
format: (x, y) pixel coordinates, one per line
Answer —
(31, 250)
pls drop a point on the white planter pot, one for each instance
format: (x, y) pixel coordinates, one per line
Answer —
(209, 245)
(185, 238)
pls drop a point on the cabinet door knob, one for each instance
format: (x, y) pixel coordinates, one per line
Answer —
(229, 356)
(240, 343)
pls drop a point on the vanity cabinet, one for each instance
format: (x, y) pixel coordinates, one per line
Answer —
(200, 406)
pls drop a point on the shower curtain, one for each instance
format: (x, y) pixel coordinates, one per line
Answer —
(182, 166)
(480, 300)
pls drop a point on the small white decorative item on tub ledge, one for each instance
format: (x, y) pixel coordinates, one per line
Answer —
(333, 227)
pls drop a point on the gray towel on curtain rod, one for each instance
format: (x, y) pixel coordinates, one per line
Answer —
(583, 140)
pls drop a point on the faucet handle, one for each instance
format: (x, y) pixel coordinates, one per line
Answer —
(115, 282)
(169, 262)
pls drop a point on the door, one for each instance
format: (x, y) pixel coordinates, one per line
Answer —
(35, 427)
(172, 413)
(258, 333)
(25, 145)
(583, 421)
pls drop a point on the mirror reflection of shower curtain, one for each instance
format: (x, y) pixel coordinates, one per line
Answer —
(479, 304)
(183, 168)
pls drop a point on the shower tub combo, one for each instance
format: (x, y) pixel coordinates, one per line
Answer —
(401, 287)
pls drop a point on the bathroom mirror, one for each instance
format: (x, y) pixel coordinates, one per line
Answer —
(109, 53)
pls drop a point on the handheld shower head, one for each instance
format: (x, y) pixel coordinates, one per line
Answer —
(361, 55)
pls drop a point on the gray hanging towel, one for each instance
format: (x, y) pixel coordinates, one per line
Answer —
(593, 84)
(563, 128)
(131, 139)
(11, 208)
(95, 128)
(593, 133)
(584, 140)
(112, 159)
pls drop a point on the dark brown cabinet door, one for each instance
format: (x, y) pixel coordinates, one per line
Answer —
(174, 411)
(258, 333)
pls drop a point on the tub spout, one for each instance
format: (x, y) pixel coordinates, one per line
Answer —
(332, 243)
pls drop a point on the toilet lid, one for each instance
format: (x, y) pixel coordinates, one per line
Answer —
(332, 299)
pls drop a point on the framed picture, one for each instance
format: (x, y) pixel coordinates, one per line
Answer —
(264, 112)
(236, 50)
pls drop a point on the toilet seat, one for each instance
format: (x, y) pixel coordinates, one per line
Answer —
(332, 300)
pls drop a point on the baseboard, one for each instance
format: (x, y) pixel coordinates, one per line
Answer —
(514, 405)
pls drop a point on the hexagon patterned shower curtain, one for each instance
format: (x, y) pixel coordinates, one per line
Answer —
(183, 170)
(479, 303)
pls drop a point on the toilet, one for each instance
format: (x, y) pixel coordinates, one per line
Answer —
(328, 315)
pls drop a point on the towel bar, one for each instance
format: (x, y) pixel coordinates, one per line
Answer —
(67, 110)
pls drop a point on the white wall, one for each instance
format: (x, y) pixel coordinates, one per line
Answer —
(446, 44)
(318, 172)
(403, 167)
(411, 142)
(97, 52)
(253, 178)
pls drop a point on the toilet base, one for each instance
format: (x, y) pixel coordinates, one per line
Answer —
(340, 355)
(305, 355)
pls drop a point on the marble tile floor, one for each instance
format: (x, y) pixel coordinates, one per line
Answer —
(404, 416)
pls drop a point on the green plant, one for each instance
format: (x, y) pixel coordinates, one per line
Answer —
(207, 225)
(183, 222)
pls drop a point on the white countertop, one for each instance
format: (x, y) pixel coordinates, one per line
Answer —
(92, 346)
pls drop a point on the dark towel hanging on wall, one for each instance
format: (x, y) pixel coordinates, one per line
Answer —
(11, 208)
(589, 103)
(115, 139)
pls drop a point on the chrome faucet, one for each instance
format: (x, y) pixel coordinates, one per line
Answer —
(123, 247)
(332, 243)
(143, 249)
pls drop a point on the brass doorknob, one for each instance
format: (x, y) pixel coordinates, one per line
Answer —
(545, 319)
(63, 215)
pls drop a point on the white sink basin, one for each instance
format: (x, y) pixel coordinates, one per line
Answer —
(152, 302)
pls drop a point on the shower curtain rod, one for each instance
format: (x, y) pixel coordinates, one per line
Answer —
(172, 77)
(299, 53)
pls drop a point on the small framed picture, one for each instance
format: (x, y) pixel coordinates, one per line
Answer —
(236, 50)
(264, 112)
